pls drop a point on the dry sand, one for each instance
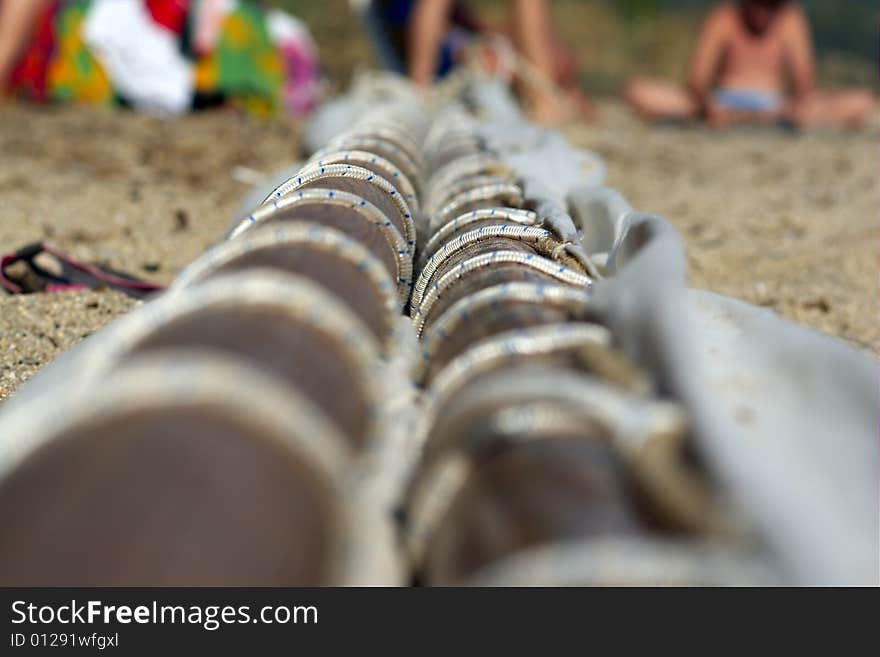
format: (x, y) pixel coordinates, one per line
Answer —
(787, 222)
(780, 220)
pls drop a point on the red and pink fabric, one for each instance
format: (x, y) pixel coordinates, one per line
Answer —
(169, 13)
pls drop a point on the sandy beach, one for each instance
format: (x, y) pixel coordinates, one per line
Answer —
(785, 221)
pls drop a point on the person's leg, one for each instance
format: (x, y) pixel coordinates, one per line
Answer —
(567, 76)
(841, 109)
(658, 100)
(534, 35)
(429, 24)
(17, 21)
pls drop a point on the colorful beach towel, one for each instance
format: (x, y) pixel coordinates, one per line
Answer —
(176, 53)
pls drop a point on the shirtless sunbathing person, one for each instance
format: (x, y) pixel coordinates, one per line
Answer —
(747, 57)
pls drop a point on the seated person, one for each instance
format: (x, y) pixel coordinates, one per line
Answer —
(425, 39)
(747, 56)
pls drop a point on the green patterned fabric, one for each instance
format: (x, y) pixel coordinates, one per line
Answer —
(249, 66)
(74, 74)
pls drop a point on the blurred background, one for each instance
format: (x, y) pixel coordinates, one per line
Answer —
(617, 39)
